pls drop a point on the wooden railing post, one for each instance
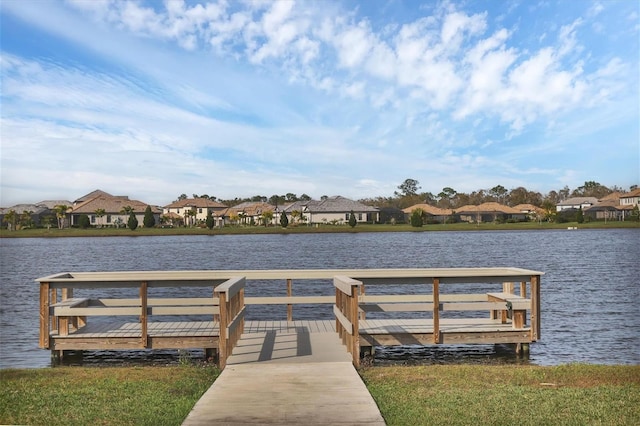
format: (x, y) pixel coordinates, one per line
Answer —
(222, 339)
(535, 307)
(144, 341)
(44, 315)
(289, 294)
(355, 326)
(436, 310)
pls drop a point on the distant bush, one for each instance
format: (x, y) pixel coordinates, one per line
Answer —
(83, 221)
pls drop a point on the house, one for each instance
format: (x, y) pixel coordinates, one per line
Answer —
(532, 212)
(27, 215)
(193, 210)
(337, 209)
(433, 214)
(615, 206)
(251, 213)
(489, 212)
(104, 209)
(630, 198)
(576, 203)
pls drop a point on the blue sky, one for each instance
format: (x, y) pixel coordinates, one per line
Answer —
(235, 99)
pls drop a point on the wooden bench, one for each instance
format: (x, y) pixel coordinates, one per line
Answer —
(515, 308)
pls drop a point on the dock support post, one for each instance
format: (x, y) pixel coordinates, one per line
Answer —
(144, 341)
(289, 294)
(436, 311)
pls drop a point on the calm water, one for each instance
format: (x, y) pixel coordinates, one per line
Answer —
(590, 290)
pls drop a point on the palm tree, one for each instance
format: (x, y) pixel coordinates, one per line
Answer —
(61, 213)
(10, 220)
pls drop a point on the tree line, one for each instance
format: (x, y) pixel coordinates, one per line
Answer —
(409, 194)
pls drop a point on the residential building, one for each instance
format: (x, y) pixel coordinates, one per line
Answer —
(576, 203)
(488, 212)
(191, 211)
(251, 212)
(337, 209)
(105, 209)
(432, 213)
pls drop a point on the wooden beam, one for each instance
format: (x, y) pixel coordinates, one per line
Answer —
(289, 294)
(44, 315)
(143, 315)
(436, 310)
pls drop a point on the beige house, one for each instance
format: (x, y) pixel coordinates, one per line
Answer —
(191, 211)
(432, 213)
(337, 209)
(105, 209)
(251, 212)
(488, 212)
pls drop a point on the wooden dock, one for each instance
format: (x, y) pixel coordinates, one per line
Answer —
(434, 299)
(291, 372)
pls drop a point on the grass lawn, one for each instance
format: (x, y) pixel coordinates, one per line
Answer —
(102, 396)
(573, 394)
(506, 395)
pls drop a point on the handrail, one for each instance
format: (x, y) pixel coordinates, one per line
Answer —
(347, 314)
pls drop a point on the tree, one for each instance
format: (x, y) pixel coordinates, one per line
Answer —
(352, 219)
(498, 192)
(416, 218)
(149, 220)
(132, 223)
(83, 221)
(284, 220)
(580, 216)
(409, 187)
(26, 220)
(445, 197)
(61, 212)
(99, 213)
(10, 219)
(209, 221)
(266, 217)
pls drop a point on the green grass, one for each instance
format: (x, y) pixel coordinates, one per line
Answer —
(102, 396)
(506, 395)
(574, 394)
(231, 230)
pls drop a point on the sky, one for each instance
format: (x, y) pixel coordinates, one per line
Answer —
(233, 98)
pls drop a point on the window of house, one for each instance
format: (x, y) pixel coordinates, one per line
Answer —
(359, 216)
(93, 218)
(199, 210)
(346, 216)
(108, 218)
(178, 211)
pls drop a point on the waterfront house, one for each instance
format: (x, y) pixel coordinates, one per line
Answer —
(104, 209)
(432, 214)
(251, 213)
(191, 211)
(337, 209)
(489, 212)
(576, 203)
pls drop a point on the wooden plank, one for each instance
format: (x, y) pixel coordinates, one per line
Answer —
(396, 307)
(286, 300)
(436, 310)
(343, 320)
(231, 287)
(44, 315)
(344, 283)
(183, 310)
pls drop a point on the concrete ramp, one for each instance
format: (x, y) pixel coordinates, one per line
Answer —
(287, 376)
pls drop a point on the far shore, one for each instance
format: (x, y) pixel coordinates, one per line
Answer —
(314, 229)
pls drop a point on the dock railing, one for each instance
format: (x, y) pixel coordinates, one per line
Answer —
(61, 314)
(346, 311)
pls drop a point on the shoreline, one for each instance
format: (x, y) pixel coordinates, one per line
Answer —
(319, 229)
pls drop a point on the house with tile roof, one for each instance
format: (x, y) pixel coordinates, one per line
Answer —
(337, 209)
(105, 209)
(251, 212)
(191, 211)
(489, 212)
(432, 213)
(576, 203)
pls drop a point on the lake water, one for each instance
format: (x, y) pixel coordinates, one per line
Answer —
(590, 290)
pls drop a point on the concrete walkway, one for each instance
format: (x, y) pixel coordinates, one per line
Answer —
(291, 376)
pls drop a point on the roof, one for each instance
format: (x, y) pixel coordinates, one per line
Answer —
(196, 202)
(112, 205)
(528, 208)
(53, 203)
(576, 201)
(92, 195)
(251, 208)
(338, 204)
(428, 208)
(491, 207)
(631, 194)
